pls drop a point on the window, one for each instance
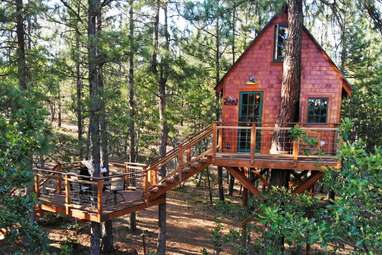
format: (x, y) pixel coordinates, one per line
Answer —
(317, 110)
(281, 35)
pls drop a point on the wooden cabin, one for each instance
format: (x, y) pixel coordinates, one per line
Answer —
(250, 93)
(240, 142)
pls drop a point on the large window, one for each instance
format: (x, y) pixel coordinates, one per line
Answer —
(281, 35)
(317, 110)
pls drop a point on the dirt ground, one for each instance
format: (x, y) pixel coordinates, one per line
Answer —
(190, 220)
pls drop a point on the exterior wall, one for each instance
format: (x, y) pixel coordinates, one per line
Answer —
(319, 78)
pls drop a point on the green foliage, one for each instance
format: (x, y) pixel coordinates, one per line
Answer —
(24, 134)
(353, 219)
(357, 211)
(364, 67)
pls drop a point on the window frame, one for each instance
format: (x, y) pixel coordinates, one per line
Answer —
(275, 58)
(327, 109)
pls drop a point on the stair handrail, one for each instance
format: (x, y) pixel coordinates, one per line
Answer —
(188, 142)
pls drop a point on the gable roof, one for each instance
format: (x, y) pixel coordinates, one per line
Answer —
(345, 84)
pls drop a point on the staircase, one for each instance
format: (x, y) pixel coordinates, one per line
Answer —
(184, 161)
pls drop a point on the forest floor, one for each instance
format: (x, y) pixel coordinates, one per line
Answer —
(190, 220)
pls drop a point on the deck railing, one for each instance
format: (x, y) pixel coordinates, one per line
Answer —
(61, 186)
(174, 160)
(295, 141)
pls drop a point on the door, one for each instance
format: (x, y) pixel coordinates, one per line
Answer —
(250, 110)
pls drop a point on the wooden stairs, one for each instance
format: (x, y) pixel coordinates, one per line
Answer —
(171, 181)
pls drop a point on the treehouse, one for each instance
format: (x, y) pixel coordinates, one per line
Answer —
(242, 141)
(250, 96)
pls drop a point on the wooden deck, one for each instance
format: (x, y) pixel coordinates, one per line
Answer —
(131, 202)
(131, 187)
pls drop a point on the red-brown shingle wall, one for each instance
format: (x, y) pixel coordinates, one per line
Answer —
(319, 78)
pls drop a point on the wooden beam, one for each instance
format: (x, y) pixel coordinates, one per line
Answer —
(316, 175)
(289, 164)
(244, 180)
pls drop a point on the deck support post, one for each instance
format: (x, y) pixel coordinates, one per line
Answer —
(253, 143)
(244, 229)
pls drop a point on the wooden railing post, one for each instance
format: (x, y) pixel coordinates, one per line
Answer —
(99, 196)
(146, 181)
(220, 140)
(214, 140)
(67, 195)
(188, 156)
(295, 149)
(155, 176)
(253, 143)
(180, 160)
(37, 185)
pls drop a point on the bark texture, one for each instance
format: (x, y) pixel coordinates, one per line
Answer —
(20, 33)
(95, 107)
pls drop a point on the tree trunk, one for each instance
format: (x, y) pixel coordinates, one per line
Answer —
(373, 13)
(59, 114)
(209, 186)
(161, 246)
(231, 185)
(95, 241)
(163, 76)
(217, 79)
(131, 84)
(233, 33)
(290, 92)
(95, 108)
(244, 229)
(133, 154)
(133, 222)
(107, 226)
(20, 32)
(220, 183)
(77, 60)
